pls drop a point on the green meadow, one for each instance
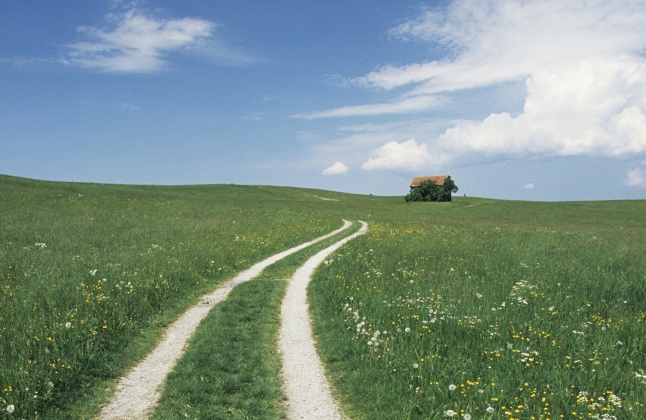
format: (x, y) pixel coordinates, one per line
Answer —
(472, 309)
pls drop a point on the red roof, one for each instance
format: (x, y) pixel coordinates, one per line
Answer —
(438, 179)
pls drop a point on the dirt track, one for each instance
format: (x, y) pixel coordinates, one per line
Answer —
(138, 392)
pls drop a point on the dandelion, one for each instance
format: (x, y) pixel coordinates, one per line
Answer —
(11, 408)
(490, 409)
(68, 325)
(452, 387)
(407, 330)
(467, 417)
(449, 413)
(415, 366)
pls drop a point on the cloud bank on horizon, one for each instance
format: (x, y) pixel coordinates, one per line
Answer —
(582, 63)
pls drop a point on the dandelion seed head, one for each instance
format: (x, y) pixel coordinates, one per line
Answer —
(11, 408)
(449, 413)
(452, 387)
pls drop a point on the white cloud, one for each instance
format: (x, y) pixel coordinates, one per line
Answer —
(403, 105)
(336, 169)
(136, 43)
(529, 186)
(594, 107)
(583, 63)
(498, 40)
(636, 177)
(408, 155)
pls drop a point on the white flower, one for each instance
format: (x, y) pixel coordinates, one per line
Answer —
(467, 417)
(449, 413)
(415, 365)
(407, 329)
(68, 325)
(452, 387)
(490, 409)
(93, 272)
(11, 408)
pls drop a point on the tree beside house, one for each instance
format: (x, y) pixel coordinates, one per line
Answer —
(431, 188)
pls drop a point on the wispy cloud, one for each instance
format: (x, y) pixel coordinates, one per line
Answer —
(338, 168)
(403, 105)
(136, 42)
(488, 42)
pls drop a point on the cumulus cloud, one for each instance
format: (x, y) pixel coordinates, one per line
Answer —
(134, 42)
(337, 169)
(594, 107)
(636, 177)
(529, 186)
(408, 155)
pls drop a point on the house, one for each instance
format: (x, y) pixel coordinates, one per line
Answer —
(440, 190)
(437, 179)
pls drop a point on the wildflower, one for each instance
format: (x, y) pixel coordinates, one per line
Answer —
(11, 408)
(467, 417)
(68, 325)
(452, 387)
(93, 272)
(490, 409)
(407, 329)
(449, 413)
(415, 366)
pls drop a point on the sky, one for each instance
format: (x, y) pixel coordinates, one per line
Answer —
(524, 100)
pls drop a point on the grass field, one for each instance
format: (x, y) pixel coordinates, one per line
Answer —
(475, 309)
(486, 309)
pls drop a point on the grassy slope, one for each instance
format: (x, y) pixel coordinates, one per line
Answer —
(112, 228)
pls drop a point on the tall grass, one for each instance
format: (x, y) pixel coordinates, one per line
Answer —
(510, 317)
(89, 274)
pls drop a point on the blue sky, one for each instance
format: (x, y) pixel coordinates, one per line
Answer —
(529, 100)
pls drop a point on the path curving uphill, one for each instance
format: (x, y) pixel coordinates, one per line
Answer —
(138, 392)
(305, 383)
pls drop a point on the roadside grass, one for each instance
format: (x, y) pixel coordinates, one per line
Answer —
(91, 274)
(537, 314)
(231, 368)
